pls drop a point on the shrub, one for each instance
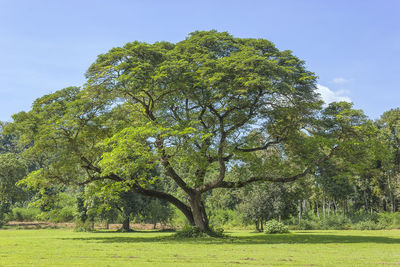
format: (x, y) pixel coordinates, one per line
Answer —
(84, 226)
(225, 218)
(358, 221)
(24, 214)
(65, 214)
(306, 224)
(275, 227)
(309, 221)
(390, 220)
(218, 232)
(362, 216)
(194, 232)
(189, 232)
(368, 225)
(2, 218)
(178, 219)
(4, 210)
(336, 222)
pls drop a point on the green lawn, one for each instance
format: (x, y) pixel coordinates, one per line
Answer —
(61, 247)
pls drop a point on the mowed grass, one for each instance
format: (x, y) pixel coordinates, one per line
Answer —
(64, 247)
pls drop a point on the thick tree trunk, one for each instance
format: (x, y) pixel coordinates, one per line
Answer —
(299, 207)
(195, 214)
(125, 225)
(199, 213)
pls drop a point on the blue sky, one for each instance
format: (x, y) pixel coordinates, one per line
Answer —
(353, 46)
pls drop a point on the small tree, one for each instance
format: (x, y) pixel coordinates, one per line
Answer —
(158, 211)
(265, 202)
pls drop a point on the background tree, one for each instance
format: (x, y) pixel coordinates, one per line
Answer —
(12, 169)
(267, 201)
(389, 124)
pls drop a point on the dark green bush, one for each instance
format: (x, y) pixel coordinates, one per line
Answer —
(362, 216)
(225, 218)
(389, 220)
(368, 225)
(218, 232)
(275, 227)
(83, 226)
(336, 222)
(194, 232)
(306, 224)
(65, 214)
(357, 221)
(190, 232)
(26, 214)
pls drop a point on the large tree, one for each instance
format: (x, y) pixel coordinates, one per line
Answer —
(199, 109)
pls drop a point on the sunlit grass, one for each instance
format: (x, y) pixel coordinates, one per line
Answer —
(63, 247)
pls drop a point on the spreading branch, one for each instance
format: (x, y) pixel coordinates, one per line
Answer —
(239, 184)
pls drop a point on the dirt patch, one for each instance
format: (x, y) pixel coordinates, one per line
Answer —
(36, 224)
(134, 226)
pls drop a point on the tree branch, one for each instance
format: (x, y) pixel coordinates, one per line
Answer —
(170, 170)
(239, 184)
(167, 197)
(101, 178)
(267, 145)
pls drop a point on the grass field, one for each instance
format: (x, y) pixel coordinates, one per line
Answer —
(64, 247)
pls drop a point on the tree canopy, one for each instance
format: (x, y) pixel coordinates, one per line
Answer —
(211, 111)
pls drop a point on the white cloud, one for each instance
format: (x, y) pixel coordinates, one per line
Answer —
(329, 96)
(340, 80)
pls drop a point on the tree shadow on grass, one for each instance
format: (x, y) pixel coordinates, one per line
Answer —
(133, 231)
(247, 240)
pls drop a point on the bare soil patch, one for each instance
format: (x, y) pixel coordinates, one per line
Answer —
(134, 226)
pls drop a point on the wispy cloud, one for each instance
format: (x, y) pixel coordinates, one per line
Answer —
(340, 80)
(329, 96)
